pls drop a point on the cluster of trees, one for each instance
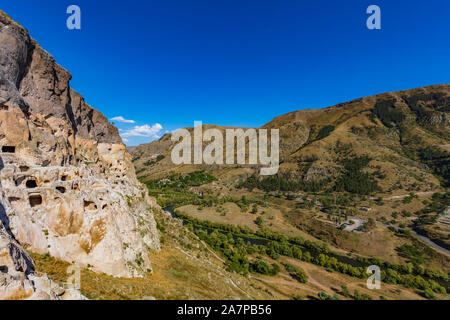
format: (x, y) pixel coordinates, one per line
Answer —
(412, 253)
(261, 266)
(153, 161)
(369, 225)
(233, 251)
(227, 228)
(235, 244)
(260, 221)
(430, 213)
(278, 183)
(386, 112)
(172, 197)
(324, 132)
(245, 202)
(361, 296)
(417, 108)
(296, 273)
(411, 281)
(424, 106)
(354, 180)
(439, 202)
(179, 181)
(193, 179)
(356, 295)
(325, 296)
(432, 153)
(435, 101)
(442, 170)
(439, 161)
(331, 201)
(176, 194)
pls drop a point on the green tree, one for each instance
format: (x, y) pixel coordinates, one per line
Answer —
(260, 221)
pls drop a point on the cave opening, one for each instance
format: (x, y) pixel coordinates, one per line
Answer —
(8, 149)
(35, 200)
(31, 184)
(61, 189)
(90, 205)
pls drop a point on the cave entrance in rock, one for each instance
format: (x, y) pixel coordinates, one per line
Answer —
(31, 184)
(8, 149)
(61, 189)
(35, 200)
(90, 205)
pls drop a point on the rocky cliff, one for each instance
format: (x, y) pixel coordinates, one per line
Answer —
(17, 277)
(67, 184)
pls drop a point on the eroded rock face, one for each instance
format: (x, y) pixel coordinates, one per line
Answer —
(17, 277)
(68, 187)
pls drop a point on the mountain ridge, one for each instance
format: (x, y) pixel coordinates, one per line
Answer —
(317, 132)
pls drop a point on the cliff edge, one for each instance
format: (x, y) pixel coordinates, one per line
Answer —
(67, 184)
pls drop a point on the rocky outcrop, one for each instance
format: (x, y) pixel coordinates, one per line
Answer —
(320, 171)
(17, 277)
(68, 187)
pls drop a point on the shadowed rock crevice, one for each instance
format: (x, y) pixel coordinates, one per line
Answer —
(4, 221)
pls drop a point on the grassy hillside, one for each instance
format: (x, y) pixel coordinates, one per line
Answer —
(404, 136)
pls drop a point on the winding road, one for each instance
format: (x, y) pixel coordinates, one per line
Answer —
(431, 243)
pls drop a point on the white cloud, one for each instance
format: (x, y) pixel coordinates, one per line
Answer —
(122, 119)
(143, 131)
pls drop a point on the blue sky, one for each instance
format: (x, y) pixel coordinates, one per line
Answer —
(163, 64)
